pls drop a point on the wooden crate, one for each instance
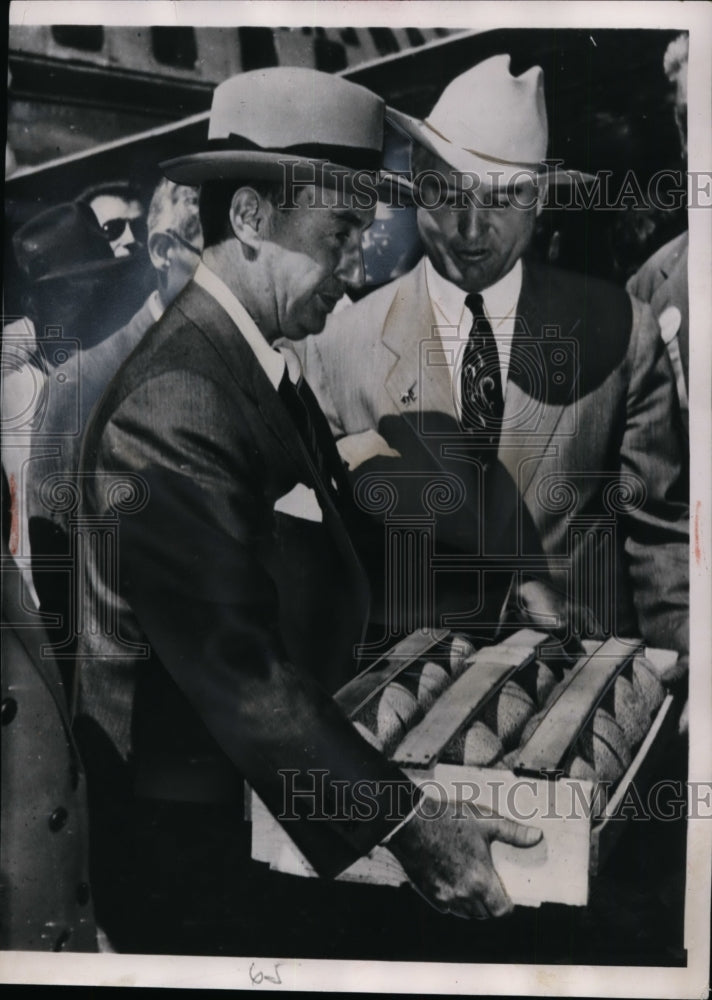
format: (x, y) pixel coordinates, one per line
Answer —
(579, 833)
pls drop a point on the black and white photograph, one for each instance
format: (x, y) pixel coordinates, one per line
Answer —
(356, 405)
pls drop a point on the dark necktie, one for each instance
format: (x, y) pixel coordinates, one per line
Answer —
(315, 433)
(480, 378)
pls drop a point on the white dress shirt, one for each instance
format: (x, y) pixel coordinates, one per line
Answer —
(155, 306)
(454, 319)
(270, 360)
(23, 385)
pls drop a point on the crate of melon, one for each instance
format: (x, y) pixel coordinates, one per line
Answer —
(520, 728)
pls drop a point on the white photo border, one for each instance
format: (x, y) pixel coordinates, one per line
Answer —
(445, 978)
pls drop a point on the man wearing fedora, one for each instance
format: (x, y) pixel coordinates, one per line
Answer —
(218, 626)
(555, 378)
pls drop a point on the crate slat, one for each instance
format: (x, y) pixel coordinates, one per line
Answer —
(574, 704)
(354, 695)
(490, 669)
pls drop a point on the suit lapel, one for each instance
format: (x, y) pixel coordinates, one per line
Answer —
(539, 387)
(209, 316)
(420, 378)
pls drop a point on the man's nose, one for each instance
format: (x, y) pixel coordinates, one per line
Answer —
(350, 269)
(473, 222)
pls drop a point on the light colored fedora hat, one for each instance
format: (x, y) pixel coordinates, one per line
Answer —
(265, 117)
(490, 123)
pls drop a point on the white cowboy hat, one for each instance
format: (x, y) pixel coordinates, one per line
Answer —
(490, 123)
(263, 119)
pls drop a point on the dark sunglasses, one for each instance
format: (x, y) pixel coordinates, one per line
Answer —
(184, 243)
(113, 229)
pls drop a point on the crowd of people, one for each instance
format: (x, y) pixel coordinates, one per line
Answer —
(202, 414)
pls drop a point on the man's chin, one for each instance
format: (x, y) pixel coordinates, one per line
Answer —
(302, 330)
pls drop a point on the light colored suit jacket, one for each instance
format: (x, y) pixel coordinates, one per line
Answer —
(588, 431)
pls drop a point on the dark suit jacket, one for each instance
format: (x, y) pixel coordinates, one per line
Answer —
(221, 624)
(589, 436)
(45, 899)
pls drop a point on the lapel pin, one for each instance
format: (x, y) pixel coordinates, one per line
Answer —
(408, 396)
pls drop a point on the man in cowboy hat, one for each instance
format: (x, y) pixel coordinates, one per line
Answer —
(217, 628)
(557, 379)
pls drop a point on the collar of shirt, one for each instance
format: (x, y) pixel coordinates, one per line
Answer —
(500, 301)
(269, 359)
(155, 306)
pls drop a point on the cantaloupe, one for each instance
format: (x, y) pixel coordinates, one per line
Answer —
(426, 681)
(603, 745)
(397, 711)
(477, 746)
(546, 681)
(582, 770)
(646, 685)
(630, 711)
(508, 712)
(368, 735)
(460, 651)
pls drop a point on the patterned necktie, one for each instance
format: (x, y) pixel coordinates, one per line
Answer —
(480, 378)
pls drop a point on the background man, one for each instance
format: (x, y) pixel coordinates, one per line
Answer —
(76, 292)
(80, 291)
(118, 209)
(210, 649)
(174, 245)
(563, 377)
(662, 280)
(57, 438)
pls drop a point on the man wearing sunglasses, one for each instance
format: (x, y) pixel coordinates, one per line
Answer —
(118, 209)
(175, 242)
(174, 246)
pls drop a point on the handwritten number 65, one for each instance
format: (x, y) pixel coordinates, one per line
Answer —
(257, 976)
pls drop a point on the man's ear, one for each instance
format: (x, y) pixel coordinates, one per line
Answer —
(248, 218)
(160, 250)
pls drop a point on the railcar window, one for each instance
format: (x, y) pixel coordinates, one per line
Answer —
(257, 48)
(174, 46)
(384, 40)
(89, 37)
(415, 36)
